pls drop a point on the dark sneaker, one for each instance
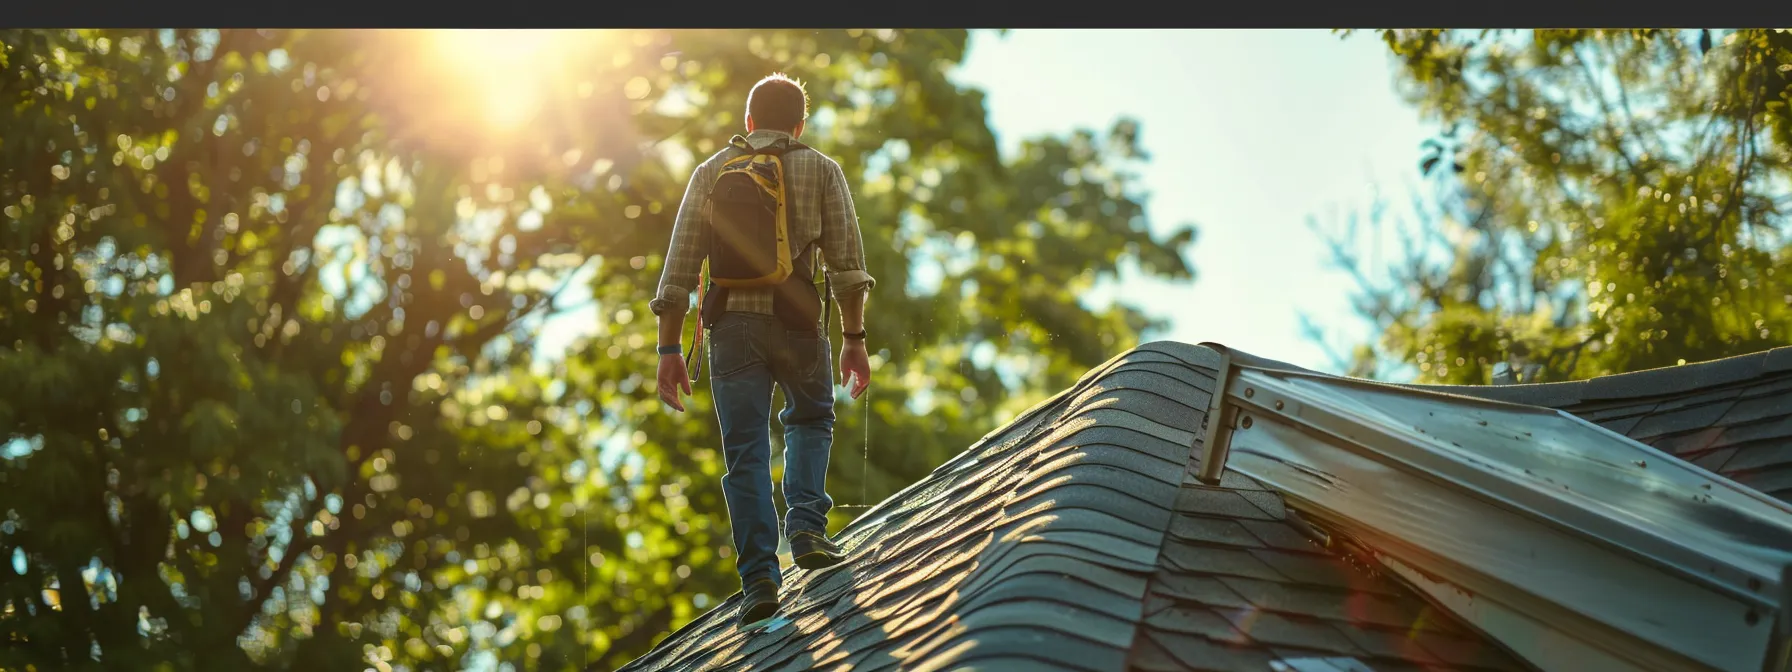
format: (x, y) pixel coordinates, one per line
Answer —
(759, 601)
(812, 550)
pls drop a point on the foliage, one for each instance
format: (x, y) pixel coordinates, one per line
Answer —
(1608, 201)
(272, 312)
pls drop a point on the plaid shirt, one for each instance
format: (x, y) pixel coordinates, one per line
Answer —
(820, 209)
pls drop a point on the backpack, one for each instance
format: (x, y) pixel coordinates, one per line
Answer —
(749, 234)
(749, 244)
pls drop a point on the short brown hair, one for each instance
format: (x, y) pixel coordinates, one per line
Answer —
(778, 103)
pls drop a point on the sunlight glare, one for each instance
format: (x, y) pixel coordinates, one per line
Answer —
(505, 71)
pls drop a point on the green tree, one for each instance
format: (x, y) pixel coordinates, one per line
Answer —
(276, 395)
(1605, 201)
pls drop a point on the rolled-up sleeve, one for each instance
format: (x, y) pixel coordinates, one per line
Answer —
(684, 259)
(840, 241)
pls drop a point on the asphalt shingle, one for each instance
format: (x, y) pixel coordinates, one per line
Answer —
(1032, 551)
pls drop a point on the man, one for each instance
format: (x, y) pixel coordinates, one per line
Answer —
(759, 340)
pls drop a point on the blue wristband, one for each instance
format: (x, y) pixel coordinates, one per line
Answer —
(669, 349)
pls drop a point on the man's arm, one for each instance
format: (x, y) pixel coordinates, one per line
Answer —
(672, 324)
(844, 250)
(684, 259)
(683, 262)
(852, 310)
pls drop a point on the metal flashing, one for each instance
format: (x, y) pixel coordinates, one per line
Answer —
(1500, 512)
(1216, 424)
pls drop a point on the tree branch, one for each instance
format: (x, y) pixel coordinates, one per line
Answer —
(1611, 128)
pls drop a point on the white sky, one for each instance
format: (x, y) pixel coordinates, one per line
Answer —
(1250, 132)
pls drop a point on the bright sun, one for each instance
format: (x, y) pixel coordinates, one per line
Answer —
(506, 70)
(488, 90)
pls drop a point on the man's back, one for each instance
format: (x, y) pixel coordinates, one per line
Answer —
(766, 337)
(820, 212)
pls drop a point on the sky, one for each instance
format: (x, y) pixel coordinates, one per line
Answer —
(1251, 133)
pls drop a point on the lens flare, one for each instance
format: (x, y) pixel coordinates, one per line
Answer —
(505, 70)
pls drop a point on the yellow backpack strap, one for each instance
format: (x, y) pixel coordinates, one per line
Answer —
(698, 331)
(741, 142)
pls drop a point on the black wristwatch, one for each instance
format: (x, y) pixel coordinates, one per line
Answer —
(853, 336)
(672, 349)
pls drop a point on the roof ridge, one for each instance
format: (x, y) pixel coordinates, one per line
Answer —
(1659, 381)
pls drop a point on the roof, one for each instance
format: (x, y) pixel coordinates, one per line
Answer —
(1077, 537)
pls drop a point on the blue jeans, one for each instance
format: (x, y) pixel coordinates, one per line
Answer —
(748, 353)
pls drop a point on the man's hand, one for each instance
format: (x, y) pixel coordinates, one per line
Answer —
(855, 367)
(673, 378)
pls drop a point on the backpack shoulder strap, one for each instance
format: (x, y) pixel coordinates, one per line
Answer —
(778, 148)
(733, 156)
